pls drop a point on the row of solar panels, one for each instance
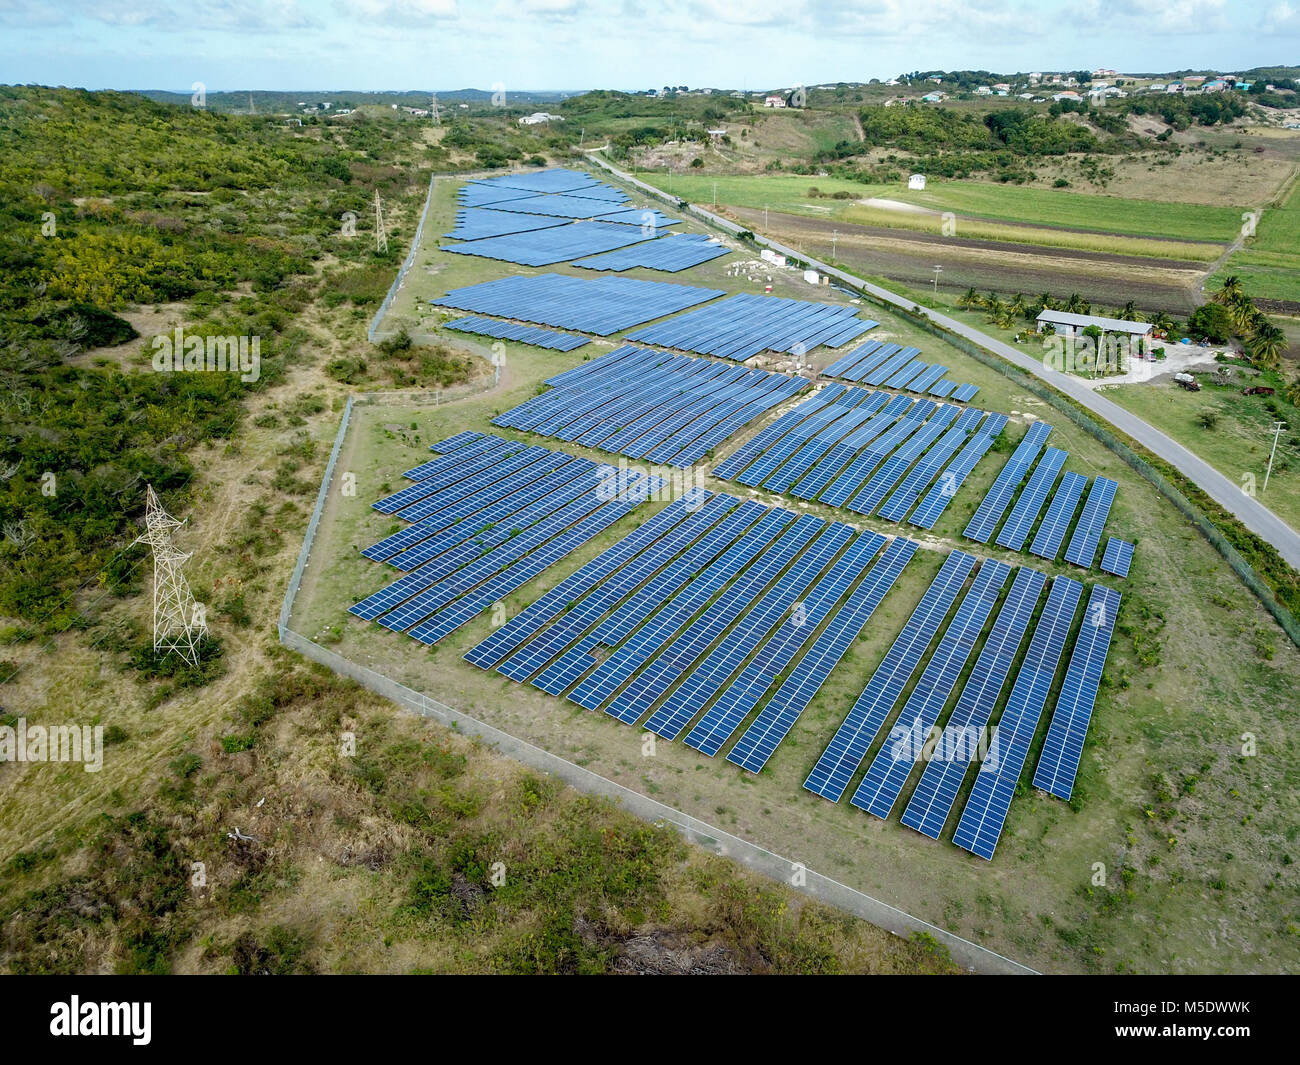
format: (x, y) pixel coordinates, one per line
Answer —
(524, 334)
(747, 324)
(653, 405)
(862, 449)
(576, 218)
(969, 736)
(894, 366)
(1046, 466)
(601, 305)
(488, 515)
(639, 630)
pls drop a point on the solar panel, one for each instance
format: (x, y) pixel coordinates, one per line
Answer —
(964, 393)
(1087, 534)
(553, 179)
(532, 618)
(1059, 763)
(544, 247)
(536, 653)
(759, 742)
(848, 747)
(709, 676)
(1117, 557)
(965, 733)
(985, 813)
(1051, 533)
(524, 334)
(941, 493)
(669, 254)
(678, 656)
(1023, 515)
(475, 223)
(747, 324)
(892, 765)
(751, 449)
(601, 305)
(561, 206)
(994, 504)
(779, 649)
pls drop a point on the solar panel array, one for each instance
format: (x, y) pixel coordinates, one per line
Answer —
(985, 813)
(858, 448)
(653, 405)
(601, 305)
(671, 253)
(893, 366)
(997, 500)
(560, 215)
(1051, 533)
(1059, 763)
(525, 334)
(1023, 515)
(1087, 533)
(487, 517)
(747, 324)
(710, 584)
(1118, 557)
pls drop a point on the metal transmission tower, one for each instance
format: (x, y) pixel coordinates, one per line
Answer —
(381, 237)
(178, 622)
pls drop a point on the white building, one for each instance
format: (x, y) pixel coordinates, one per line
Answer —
(538, 118)
(1068, 324)
(774, 101)
(916, 181)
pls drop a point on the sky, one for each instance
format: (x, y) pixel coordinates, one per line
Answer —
(302, 45)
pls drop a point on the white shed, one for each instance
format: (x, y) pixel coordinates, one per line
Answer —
(916, 181)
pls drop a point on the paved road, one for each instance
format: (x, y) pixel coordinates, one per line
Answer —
(1224, 491)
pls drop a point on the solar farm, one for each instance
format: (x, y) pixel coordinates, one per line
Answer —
(844, 614)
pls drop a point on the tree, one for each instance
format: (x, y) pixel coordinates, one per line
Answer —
(1265, 347)
(1076, 304)
(1291, 391)
(1018, 306)
(1209, 418)
(1230, 291)
(1164, 323)
(1212, 322)
(1130, 313)
(969, 298)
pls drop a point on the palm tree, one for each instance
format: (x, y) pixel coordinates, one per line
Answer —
(1243, 311)
(1019, 307)
(1265, 347)
(1164, 323)
(1130, 313)
(1230, 291)
(1076, 304)
(1046, 302)
(969, 298)
(995, 307)
(1291, 391)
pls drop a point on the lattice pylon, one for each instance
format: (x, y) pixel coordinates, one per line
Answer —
(178, 622)
(381, 237)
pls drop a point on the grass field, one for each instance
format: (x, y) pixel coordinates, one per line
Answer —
(1197, 841)
(1269, 265)
(1238, 446)
(1025, 207)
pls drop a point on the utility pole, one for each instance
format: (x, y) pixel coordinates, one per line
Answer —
(381, 237)
(937, 271)
(835, 236)
(1277, 432)
(715, 194)
(764, 216)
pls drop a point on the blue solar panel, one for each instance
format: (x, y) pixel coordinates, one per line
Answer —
(601, 305)
(911, 487)
(543, 247)
(538, 650)
(1117, 557)
(941, 493)
(889, 474)
(679, 655)
(846, 362)
(835, 768)
(778, 651)
(1087, 534)
(1059, 763)
(524, 625)
(1051, 533)
(994, 505)
(708, 677)
(943, 389)
(745, 325)
(889, 770)
(1023, 515)
(524, 334)
(475, 223)
(554, 179)
(561, 206)
(669, 254)
(964, 735)
(667, 617)
(767, 437)
(759, 742)
(964, 393)
(985, 812)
